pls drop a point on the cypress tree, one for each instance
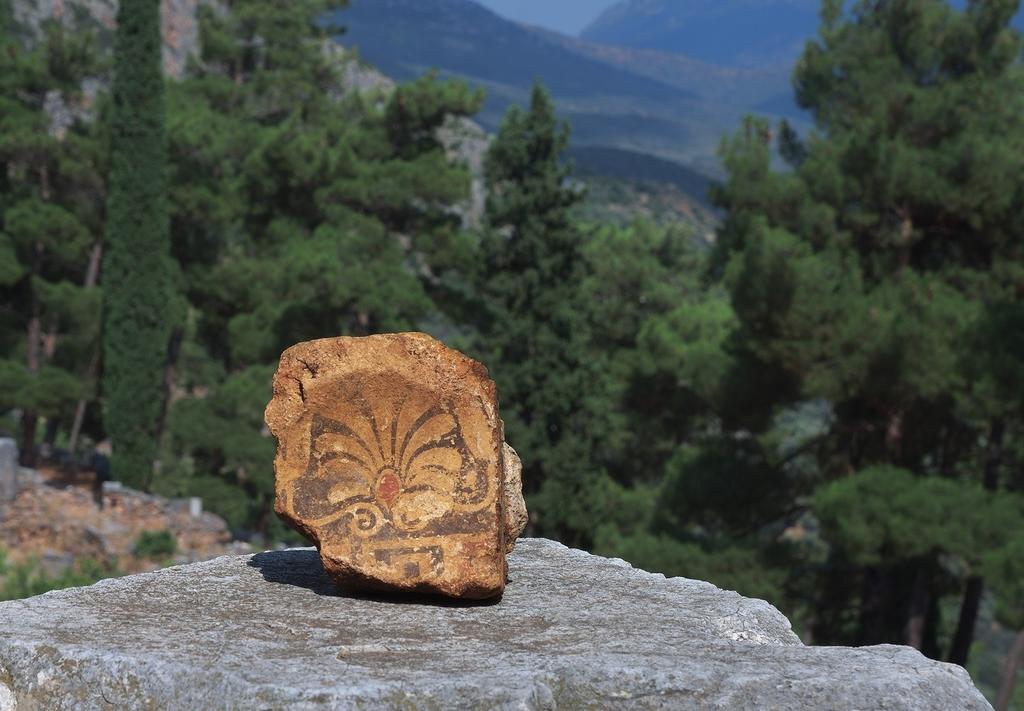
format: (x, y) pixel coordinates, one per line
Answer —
(137, 264)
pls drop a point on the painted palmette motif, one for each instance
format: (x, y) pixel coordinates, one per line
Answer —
(391, 459)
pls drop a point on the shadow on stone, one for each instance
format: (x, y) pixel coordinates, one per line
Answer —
(302, 568)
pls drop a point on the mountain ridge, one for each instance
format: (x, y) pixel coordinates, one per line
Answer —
(735, 33)
(673, 108)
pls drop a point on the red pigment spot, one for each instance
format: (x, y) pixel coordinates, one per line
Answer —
(388, 487)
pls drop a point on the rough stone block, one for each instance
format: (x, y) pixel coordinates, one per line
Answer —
(8, 469)
(574, 631)
(391, 459)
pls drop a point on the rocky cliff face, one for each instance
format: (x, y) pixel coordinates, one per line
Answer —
(179, 20)
(181, 32)
(572, 631)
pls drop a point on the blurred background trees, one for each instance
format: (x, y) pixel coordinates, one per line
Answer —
(866, 277)
(297, 212)
(821, 408)
(52, 187)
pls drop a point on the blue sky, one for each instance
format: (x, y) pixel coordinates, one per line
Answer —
(566, 16)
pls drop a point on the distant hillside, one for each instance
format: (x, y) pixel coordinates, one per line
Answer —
(634, 167)
(643, 187)
(760, 89)
(463, 36)
(673, 108)
(732, 33)
(622, 202)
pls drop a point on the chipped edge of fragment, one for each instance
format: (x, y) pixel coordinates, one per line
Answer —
(514, 514)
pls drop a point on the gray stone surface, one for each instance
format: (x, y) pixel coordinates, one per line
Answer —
(8, 469)
(572, 631)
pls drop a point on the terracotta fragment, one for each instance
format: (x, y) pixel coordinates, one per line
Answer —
(391, 459)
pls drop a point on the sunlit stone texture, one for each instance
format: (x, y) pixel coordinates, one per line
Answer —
(391, 459)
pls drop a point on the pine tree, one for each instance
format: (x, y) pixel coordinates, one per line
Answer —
(137, 271)
(534, 331)
(685, 499)
(862, 279)
(301, 209)
(51, 195)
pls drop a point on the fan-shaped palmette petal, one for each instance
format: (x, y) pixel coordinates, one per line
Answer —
(431, 428)
(436, 467)
(357, 421)
(343, 451)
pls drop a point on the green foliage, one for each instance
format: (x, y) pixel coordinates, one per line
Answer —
(878, 276)
(722, 484)
(534, 329)
(25, 579)
(137, 271)
(583, 328)
(737, 566)
(297, 212)
(1004, 571)
(155, 544)
(884, 514)
(51, 193)
(689, 341)
(222, 434)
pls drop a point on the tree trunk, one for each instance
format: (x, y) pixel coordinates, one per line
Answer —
(34, 335)
(76, 424)
(29, 417)
(92, 274)
(931, 648)
(960, 647)
(1009, 677)
(874, 592)
(29, 423)
(170, 367)
(807, 635)
(919, 602)
(994, 454)
(894, 436)
(91, 277)
(50, 341)
(50, 433)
